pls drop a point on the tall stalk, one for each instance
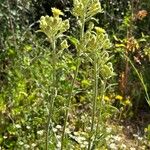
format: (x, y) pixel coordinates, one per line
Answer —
(140, 78)
(68, 104)
(54, 92)
(102, 94)
(53, 27)
(95, 94)
(72, 86)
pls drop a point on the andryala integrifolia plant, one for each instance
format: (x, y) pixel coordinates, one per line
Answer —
(54, 27)
(93, 44)
(96, 43)
(83, 10)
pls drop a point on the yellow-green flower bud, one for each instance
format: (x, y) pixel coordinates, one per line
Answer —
(85, 83)
(91, 26)
(43, 23)
(99, 30)
(87, 36)
(107, 44)
(93, 39)
(56, 12)
(106, 71)
(64, 44)
(66, 24)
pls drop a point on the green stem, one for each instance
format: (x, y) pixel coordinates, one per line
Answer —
(95, 94)
(72, 86)
(103, 88)
(68, 104)
(54, 92)
(141, 79)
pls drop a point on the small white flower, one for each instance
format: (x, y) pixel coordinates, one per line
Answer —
(85, 143)
(132, 148)
(58, 136)
(117, 138)
(88, 128)
(107, 138)
(18, 126)
(5, 137)
(33, 144)
(76, 133)
(26, 146)
(108, 130)
(81, 139)
(20, 143)
(67, 131)
(28, 127)
(58, 127)
(128, 127)
(135, 135)
(140, 138)
(82, 145)
(58, 144)
(40, 132)
(113, 146)
(54, 129)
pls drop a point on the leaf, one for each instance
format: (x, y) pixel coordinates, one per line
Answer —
(119, 45)
(142, 40)
(73, 40)
(117, 39)
(1, 15)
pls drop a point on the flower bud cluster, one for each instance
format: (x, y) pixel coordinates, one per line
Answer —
(86, 8)
(96, 42)
(107, 70)
(54, 26)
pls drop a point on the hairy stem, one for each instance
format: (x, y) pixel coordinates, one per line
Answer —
(95, 94)
(102, 94)
(68, 104)
(54, 93)
(72, 86)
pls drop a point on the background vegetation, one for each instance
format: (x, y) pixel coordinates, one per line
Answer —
(30, 73)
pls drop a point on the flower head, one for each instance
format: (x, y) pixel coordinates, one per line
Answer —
(57, 12)
(54, 26)
(99, 30)
(141, 14)
(118, 97)
(128, 102)
(106, 98)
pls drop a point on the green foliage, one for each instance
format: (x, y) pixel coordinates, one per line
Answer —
(89, 44)
(53, 89)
